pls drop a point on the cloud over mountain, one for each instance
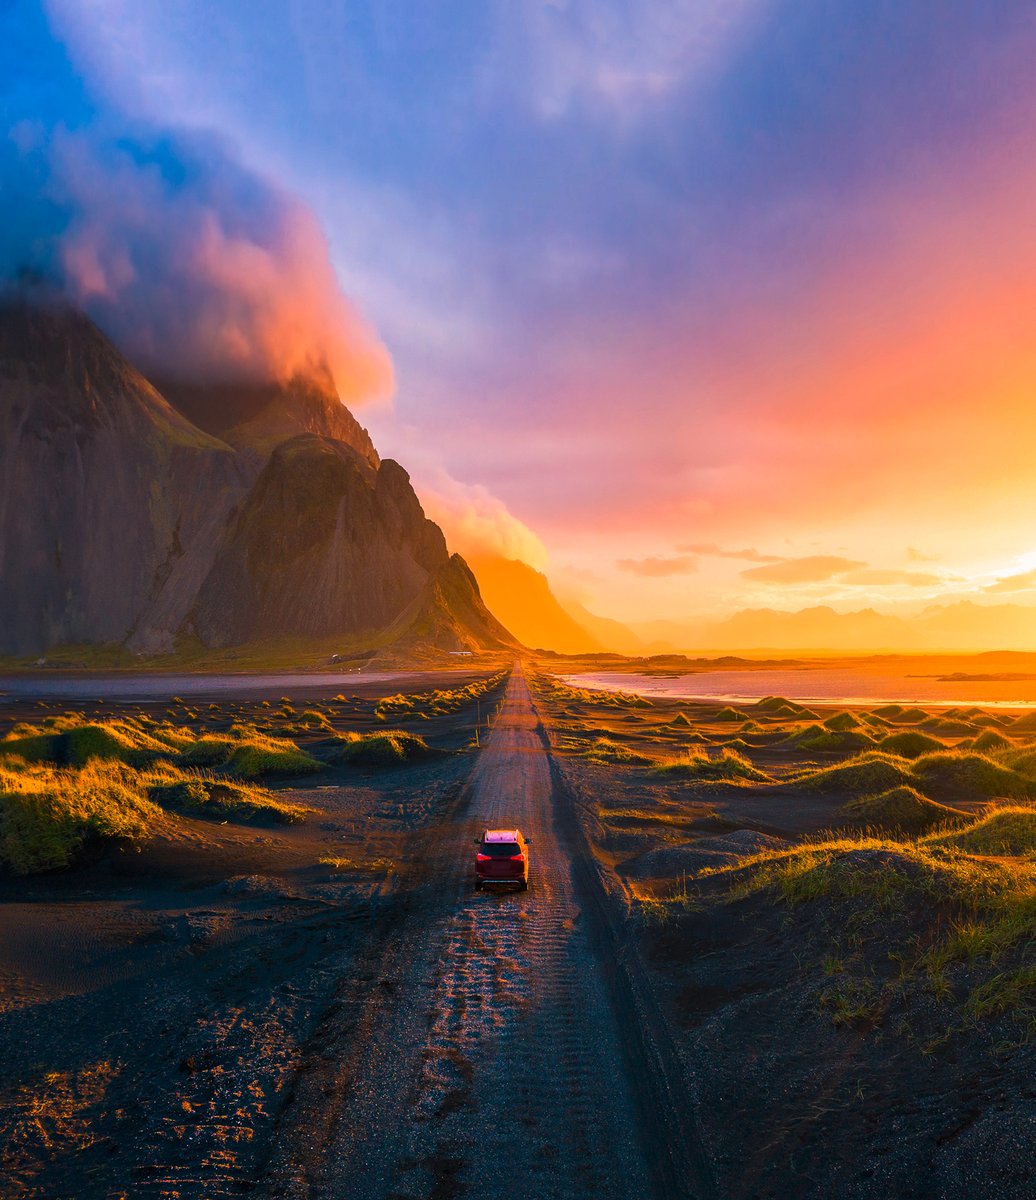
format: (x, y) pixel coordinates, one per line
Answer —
(193, 263)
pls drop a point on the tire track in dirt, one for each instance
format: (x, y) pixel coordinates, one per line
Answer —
(488, 1060)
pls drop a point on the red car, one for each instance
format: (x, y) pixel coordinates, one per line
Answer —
(503, 857)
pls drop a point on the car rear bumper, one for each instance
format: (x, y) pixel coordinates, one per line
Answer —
(502, 879)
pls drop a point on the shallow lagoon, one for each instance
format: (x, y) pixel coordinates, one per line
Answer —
(819, 685)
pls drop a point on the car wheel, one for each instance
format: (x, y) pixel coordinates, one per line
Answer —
(478, 885)
(524, 885)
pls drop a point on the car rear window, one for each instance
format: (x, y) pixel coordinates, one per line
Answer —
(500, 849)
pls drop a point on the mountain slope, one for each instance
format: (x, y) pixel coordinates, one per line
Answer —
(521, 597)
(110, 500)
(320, 545)
(451, 615)
(257, 416)
(123, 522)
(612, 635)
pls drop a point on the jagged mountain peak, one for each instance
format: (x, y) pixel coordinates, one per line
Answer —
(258, 415)
(58, 366)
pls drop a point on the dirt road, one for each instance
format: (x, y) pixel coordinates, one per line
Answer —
(487, 1051)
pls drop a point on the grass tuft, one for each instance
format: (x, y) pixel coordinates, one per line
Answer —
(865, 774)
(901, 810)
(49, 817)
(910, 744)
(386, 748)
(203, 795)
(726, 767)
(606, 750)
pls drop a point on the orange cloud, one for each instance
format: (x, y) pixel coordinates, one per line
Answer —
(815, 568)
(657, 568)
(747, 555)
(208, 271)
(1014, 583)
(877, 577)
(476, 523)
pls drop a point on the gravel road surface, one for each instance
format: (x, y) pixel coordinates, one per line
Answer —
(484, 1050)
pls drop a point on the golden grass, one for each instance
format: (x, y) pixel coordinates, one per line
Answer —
(900, 810)
(338, 862)
(69, 784)
(49, 816)
(965, 896)
(728, 766)
(386, 747)
(552, 688)
(658, 816)
(439, 702)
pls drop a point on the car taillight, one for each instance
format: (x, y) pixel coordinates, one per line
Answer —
(483, 857)
(517, 858)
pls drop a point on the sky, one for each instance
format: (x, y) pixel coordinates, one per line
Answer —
(696, 305)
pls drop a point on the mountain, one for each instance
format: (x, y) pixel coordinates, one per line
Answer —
(258, 416)
(450, 614)
(816, 628)
(322, 543)
(124, 521)
(111, 502)
(612, 635)
(961, 626)
(970, 626)
(522, 599)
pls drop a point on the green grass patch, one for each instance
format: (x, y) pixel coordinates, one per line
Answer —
(909, 743)
(840, 722)
(781, 706)
(963, 897)
(901, 810)
(49, 817)
(606, 750)
(75, 744)
(386, 748)
(967, 775)
(819, 740)
(731, 714)
(865, 774)
(247, 753)
(202, 795)
(1007, 831)
(989, 741)
(728, 766)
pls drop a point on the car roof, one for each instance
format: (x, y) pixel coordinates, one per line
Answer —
(501, 835)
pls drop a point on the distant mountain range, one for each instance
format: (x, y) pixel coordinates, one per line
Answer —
(961, 626)
(523, 600)
(222, 515)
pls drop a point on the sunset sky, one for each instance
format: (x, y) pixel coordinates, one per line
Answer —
(697, 305)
